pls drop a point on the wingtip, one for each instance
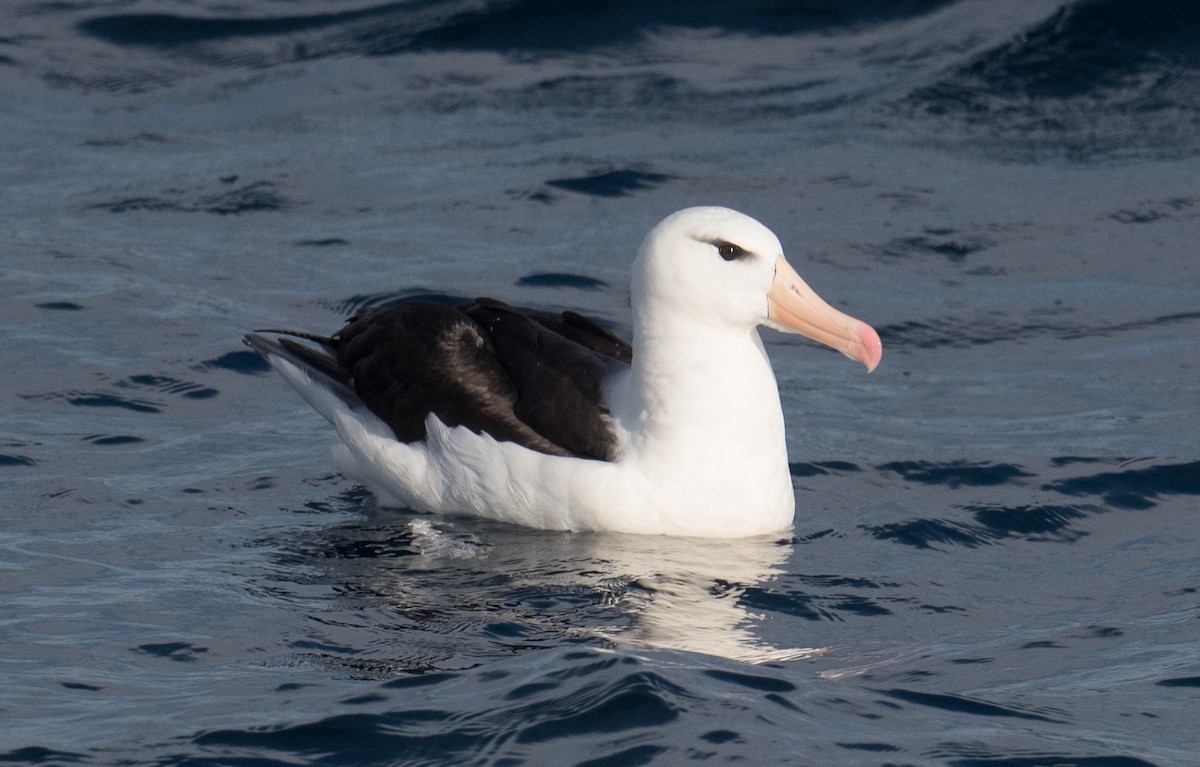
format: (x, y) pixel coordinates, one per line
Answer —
(258, 343)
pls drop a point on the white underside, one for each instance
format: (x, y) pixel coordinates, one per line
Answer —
(457, 470)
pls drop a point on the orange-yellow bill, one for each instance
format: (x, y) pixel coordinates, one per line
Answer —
(795, 308)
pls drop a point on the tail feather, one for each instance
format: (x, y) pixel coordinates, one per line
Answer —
(324, 341)
(319, 365)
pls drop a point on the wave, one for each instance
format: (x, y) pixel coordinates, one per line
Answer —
(549, 25)
(587, 708)
(166, 30)
(163, 48)
(1134, 488)
(1002, 327)
(236, 199)
(1036, 514)
(520, 25)
(1098, 77)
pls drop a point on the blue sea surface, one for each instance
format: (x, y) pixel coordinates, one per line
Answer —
(996, 555)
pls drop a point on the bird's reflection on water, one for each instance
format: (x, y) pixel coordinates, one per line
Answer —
(443, 592)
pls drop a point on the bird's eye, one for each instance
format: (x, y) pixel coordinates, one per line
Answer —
(729, 251)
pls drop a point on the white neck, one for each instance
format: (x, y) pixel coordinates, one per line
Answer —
(701, 408)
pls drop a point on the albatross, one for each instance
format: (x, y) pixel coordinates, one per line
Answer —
(551, 421)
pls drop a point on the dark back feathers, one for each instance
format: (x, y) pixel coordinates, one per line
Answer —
(535, 379)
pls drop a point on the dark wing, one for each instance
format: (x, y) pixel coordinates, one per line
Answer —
(558, 364)
(533, 380)
(584, 332)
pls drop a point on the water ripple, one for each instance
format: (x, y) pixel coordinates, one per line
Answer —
(1003, 327)
(1134, 488)
(964, 705)
(1095, 78)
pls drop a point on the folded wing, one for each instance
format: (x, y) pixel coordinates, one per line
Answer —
(535, 378)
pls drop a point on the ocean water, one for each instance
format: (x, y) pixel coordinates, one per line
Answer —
(996, 555)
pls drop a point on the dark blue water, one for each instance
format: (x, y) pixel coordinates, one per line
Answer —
(996, 556)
